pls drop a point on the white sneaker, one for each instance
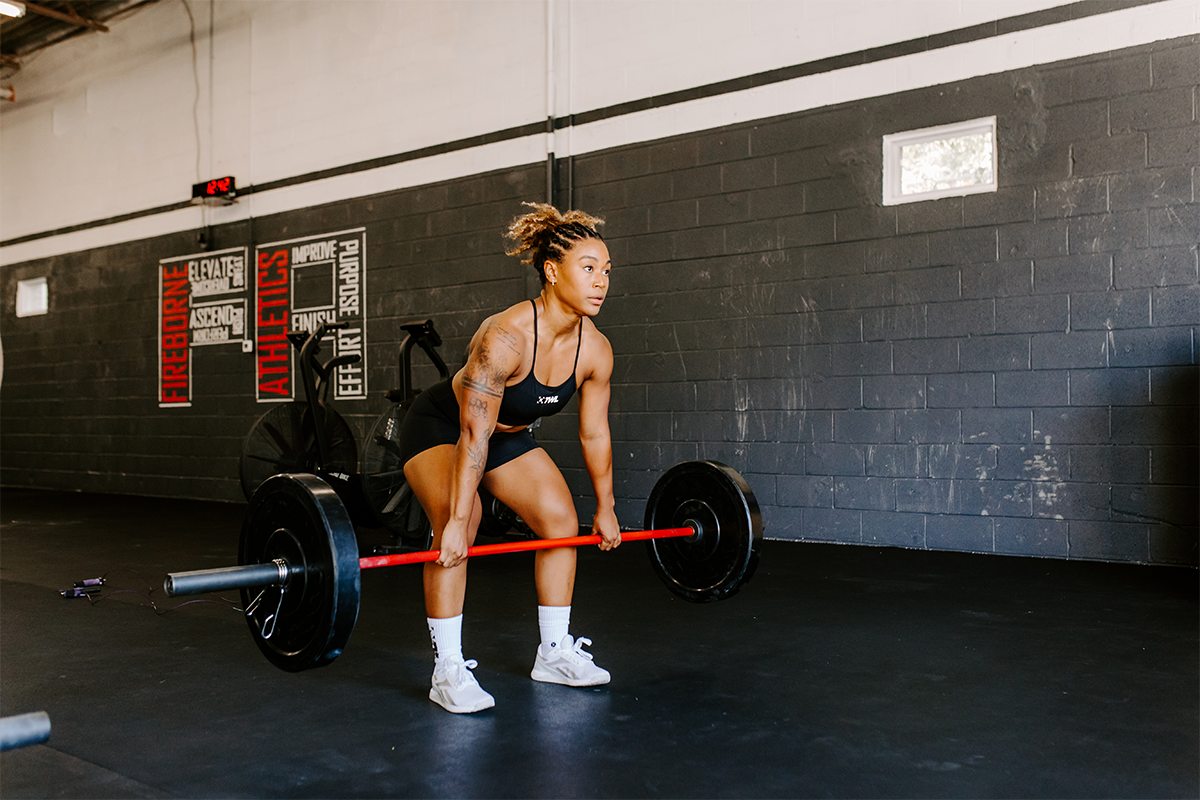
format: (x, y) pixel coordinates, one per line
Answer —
(567, 664)
(455, 688)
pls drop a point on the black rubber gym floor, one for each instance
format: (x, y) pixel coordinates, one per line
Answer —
(837, 672)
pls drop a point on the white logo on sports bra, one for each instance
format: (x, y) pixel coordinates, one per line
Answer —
(542, 401)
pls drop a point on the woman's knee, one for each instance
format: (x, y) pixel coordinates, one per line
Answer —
(555, 520)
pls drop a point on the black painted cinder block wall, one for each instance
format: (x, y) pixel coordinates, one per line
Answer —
(1011, 372)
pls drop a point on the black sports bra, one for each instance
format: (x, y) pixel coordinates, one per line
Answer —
(523, 403)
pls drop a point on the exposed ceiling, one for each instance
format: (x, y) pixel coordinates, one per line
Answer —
(49, 22)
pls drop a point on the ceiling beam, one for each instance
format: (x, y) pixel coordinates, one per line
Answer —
(74, 19)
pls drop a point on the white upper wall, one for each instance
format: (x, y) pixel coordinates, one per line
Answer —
(627, 49)
(108, 124)
(118, 123)
(337, 83)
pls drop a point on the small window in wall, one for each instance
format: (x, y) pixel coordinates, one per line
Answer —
(945, 161)
(33, 297)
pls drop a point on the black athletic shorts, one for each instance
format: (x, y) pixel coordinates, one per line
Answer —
(433, 420)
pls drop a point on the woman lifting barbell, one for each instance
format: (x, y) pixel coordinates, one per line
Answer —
(473, 430)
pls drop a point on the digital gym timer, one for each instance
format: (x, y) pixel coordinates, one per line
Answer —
(217, 192)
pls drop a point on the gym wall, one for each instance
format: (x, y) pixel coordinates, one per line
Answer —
(1012, 372)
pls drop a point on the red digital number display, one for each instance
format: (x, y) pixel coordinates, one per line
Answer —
(218, 187)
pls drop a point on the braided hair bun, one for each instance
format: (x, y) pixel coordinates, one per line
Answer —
(546, 234)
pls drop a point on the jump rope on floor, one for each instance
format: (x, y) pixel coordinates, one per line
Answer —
(92, 590)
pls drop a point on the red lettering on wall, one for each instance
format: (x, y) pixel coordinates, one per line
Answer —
(279, 387)
(175, 322)
(176, 288)
(174, 305)
(273, 302)
(273, 352)
(272, 317)
(277, 260)
(174, 357)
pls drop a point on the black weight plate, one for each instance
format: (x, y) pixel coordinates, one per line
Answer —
(300, 519)
(388, 495)
(717, 563)
(283, 440)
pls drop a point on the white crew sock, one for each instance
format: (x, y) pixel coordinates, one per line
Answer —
(447, 637)
(553, 622)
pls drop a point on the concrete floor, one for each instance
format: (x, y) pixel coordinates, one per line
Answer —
(837, 672)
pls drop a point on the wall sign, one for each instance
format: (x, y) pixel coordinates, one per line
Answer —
(202, 301)
(298, 285)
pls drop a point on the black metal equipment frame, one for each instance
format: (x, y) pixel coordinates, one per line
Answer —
(418, 334)
(315, 377)
(299, 435)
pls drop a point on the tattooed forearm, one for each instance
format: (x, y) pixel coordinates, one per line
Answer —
(477, 458)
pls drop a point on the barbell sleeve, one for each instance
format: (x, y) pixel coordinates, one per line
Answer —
(224, 579)
(371, 562)
(23, 730)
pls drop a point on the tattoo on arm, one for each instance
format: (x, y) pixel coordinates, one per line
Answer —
(487, 375)
(478, 407)
(503, 337)
(477, 458)
(485, 387)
